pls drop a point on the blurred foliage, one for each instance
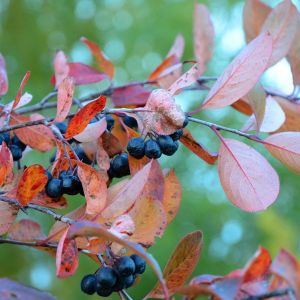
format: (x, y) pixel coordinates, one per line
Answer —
(136, 35)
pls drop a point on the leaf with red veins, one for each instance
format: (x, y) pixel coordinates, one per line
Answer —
(162, 115)
(64, 98)
(3, 76)
(66, 256)
(61, 67)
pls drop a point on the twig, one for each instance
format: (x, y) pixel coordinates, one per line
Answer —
(276, 293)
(47, 98)
(28, 244)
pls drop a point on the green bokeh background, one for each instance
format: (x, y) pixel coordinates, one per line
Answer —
(136, 35)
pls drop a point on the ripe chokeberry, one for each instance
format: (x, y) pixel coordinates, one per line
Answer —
(106, 277)
(140, 264)
(130, 122)
(49, 175)
(110, 122)
(16, 141)
(152, 149)
(104, 292)
(82, 156)
(89, 284)
(136, 147)
(16, 152)
(120, 165)
(167, 145)
(69, 184)
(4, 137)
(177, 135)
(54, 188)
(128, 281)
(125, 266)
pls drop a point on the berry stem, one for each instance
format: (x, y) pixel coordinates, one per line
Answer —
(124, 295)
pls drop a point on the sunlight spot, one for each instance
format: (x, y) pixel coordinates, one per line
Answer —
(232, 232)
(41, 277)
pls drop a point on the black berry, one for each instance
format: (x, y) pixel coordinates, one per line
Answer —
(16, 141)
(129, 281)
(177, 135)
(140, 263)
(16, 152)
(136, 147)
(49, 175)
(106, 277)
(70, 185)
(61, 126)
(82, 156)
(104, 292)
(89, 284)
(152, 149)
(186, 121)
(120, 165)
(4, 137)
(130, 122)
(119, 285)
(167, 145)
(54, 188)
(110, 122)
(125, 266)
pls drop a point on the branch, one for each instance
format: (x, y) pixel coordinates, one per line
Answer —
(276, 293)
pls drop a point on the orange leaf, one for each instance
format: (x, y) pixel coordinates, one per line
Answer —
(105, 64)
(94, 186)
(82, 118)
(64, 98)
(242, 107)
(8, 214)
(111, 144)
(203, 34)
(285, 146)
(31, 183)
(166, 63)
(26, 230)
(6, 164)
(38, 137)
(3, 76)
(255, 14)
(249, 181)
(241, 74)
(281, 23)
(172, 195)
(43, 200)
(181, 264)
(66, 256)
(164, 116)
(20, 91)
(61, 67)
(188, 141)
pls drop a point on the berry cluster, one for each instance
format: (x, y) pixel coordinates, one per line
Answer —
(121, 276)
(66, 183)
(14, 144)
(154, 148)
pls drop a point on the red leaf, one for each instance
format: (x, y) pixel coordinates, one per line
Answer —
(8, 214)
(94, 186)
(64, 98)
(38, 137)
(188, 141)
(31, 183)
(92, 131)
(247, 178)
(26, 230)
(241, 74)
(258, 266)
(188, 78)
(6, 164)
(281, 23)
(105, 64)
(164, 116)
(83, 74)
(130, 95)
(203, 34)
(255, 14)
(82, 118)
(20, 91)
(181, 264)
(66, 256)
(285, 147)
(3, 77)
(61, 67)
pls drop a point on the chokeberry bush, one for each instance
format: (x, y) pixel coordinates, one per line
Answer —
(107, 149)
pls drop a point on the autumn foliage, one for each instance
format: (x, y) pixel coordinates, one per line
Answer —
(127, 214)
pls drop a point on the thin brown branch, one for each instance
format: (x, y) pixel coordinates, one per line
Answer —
(28, 244)
(276, 293)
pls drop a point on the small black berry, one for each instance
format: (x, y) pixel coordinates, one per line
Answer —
(177, 135)
(49, 175)
(16, 141)
(136, 147)
(120, 165)
(104, 292)
(186, 122)
(125, 266)
(82, 156)
(130, 122)
(167, 145)
(106, 277)
(110, 122)
(152, 149)
(89, 284)
(129, 281)
(16, 152)
(119, 285)
(4, 137)
(54, 188)
(140, 263)
(70, 185)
